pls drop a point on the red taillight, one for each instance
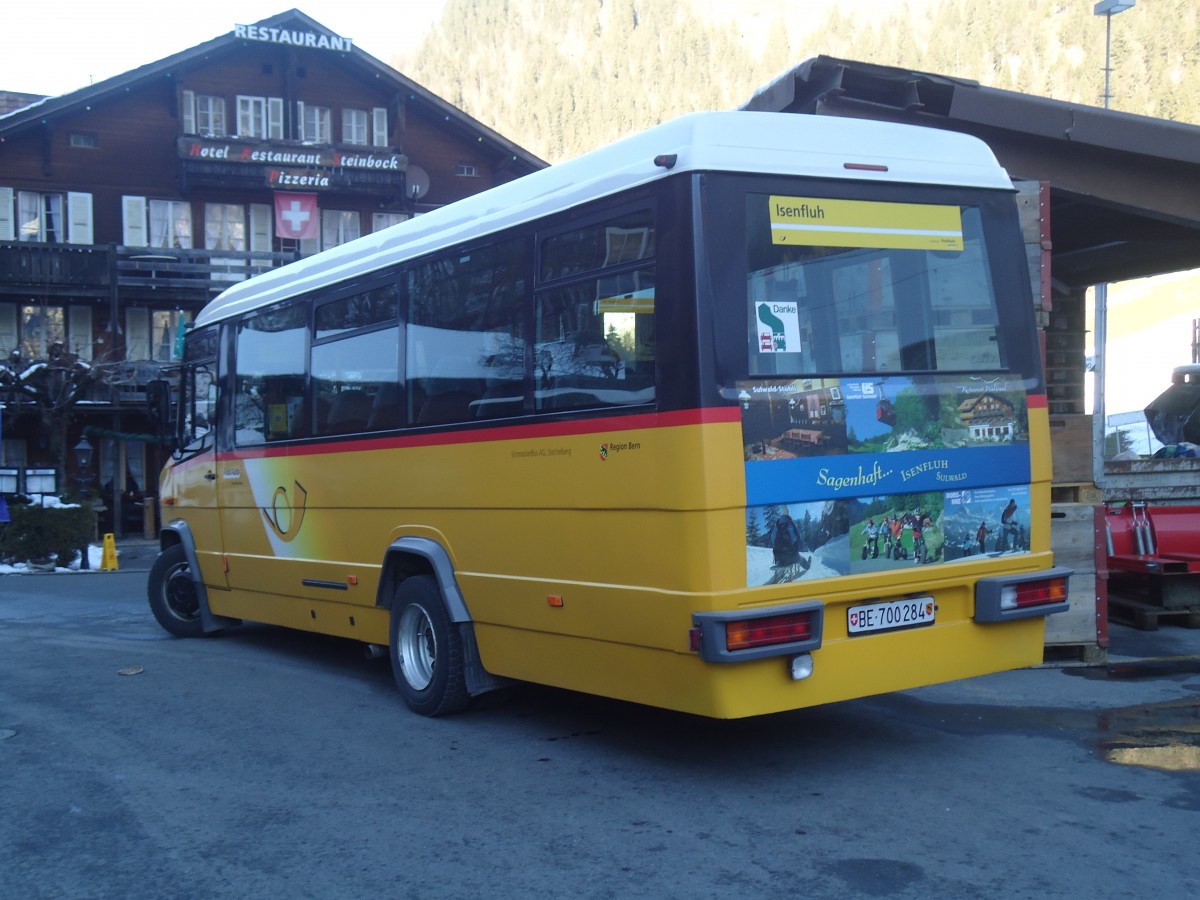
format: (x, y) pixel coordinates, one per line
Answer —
(1034, 593)
(746, 633)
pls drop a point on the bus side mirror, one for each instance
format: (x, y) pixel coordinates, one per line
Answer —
(158, 401)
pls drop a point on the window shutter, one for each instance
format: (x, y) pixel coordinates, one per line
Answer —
(300, 135)
(188, 113)
(133, 213)
(79, 330)
(7, 228)
(8, 328)
(379, 129)
(137, 333)
(79, 218)
(261, 216)
(275, 118)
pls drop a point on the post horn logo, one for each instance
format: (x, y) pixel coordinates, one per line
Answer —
(286, 516)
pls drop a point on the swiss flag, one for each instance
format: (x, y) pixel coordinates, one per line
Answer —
(296, 216)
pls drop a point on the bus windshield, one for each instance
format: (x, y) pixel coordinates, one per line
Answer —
(888, 284)
(888, 300)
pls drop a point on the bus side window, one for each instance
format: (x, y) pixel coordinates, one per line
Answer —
(270, 367)
(595, 343)
(353, 378)
(465, 345)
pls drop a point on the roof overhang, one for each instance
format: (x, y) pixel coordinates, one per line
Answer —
(1124, 189)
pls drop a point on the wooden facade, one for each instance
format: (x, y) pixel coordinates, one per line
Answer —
(127, 205)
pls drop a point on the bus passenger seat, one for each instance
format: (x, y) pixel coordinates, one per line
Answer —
(444, 407)
(349, 412)
(385, 409)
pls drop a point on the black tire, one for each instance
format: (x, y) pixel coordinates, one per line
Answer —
(426, 651)
(173, 597)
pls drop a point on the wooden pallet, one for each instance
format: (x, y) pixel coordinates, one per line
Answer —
(1144, 616)
(1091, 654)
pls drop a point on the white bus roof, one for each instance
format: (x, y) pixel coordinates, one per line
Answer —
(753, 142)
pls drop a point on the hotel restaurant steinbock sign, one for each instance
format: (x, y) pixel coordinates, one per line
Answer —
(291, 167)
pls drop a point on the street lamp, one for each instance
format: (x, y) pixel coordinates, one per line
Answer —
(83, 461)
(1108, 9)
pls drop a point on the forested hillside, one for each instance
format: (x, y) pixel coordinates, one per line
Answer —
(563, 76)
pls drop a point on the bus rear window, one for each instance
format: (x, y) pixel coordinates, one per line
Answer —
(839, 286)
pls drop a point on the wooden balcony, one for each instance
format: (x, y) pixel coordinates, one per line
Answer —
(94, 270)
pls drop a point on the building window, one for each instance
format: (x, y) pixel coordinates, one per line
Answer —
(40, 217)
(315, 123)
(42, 327)
(260, 117)
(338, 227)
(171, 224)
(8, 330)
(354, 126)
(467, 169)
(84, 141)
(166, 334)
(379, 126)
(224, 226)
(79, 330)
(203, 114)
(382, 220)
(210, 115)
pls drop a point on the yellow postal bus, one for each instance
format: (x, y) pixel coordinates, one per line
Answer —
(742, 414)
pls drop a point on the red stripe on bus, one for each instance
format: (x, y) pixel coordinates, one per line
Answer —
(706, 416)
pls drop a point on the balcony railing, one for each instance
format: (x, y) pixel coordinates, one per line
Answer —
(209, 270)
(92, 268)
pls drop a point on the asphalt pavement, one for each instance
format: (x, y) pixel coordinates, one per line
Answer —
(269, 763)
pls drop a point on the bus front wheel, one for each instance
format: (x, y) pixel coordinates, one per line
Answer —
(426, 651)
(172, 594)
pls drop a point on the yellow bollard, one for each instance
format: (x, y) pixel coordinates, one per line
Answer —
(108, 562)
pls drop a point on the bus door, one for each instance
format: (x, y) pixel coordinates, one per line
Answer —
(190, 480)
(261, 500)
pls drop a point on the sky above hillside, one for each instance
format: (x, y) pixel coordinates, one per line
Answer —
(52, 50)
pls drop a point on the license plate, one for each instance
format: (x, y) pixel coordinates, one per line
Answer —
(891, 615)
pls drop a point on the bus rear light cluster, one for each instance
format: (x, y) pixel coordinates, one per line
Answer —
(741, 635)
(1005, 598)
(1033, 593)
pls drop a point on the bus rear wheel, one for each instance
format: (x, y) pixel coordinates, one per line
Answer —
(426, 651)
(172, 594)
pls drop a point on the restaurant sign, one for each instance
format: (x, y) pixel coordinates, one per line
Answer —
(290, 179)
(296, 156)
(293, 37)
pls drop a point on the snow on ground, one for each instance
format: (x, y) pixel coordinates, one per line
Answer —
(95, 560)
(828, 561)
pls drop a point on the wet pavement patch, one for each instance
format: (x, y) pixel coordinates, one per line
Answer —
(1162, 736)
(1139, 670)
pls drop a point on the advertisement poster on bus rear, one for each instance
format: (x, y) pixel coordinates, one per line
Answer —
(868, 474)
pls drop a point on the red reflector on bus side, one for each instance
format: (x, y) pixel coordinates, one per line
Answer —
(746, 633)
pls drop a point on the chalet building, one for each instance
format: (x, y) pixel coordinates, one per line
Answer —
(127, 205)
(988, 417)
